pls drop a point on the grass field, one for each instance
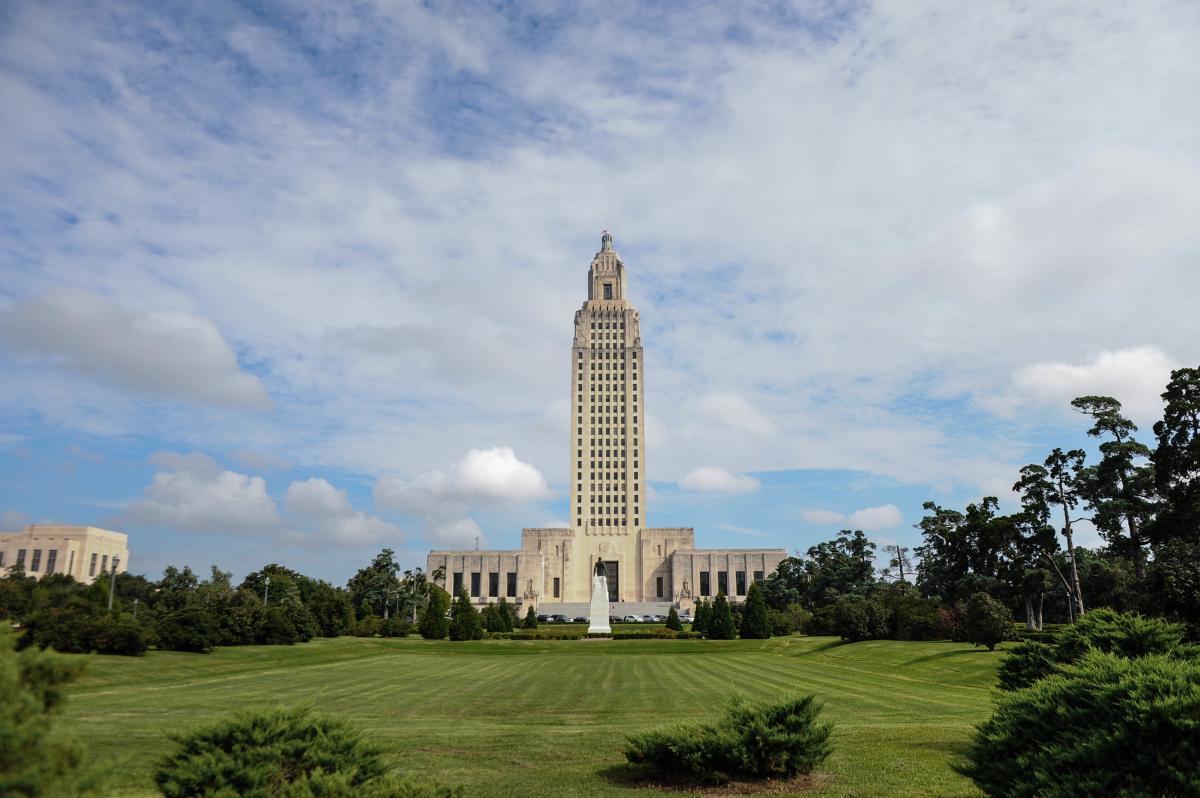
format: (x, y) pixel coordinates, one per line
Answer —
(518, 718)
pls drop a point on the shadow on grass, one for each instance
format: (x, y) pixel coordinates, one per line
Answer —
(823, 647)
(958, 652)
(636, 777)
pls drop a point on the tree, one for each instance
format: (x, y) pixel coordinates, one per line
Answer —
(857, 618)
(32, 761)
(1177, 460)
(433, 625)
(700, 617)
(673, 622)
(786, 585)
(530, 621)
(175, 590)
(1120, 488)
(330, 607)
(1057, 483)
(756, 619)
(465, 623)
(986, 621)
(898, 559)
(507, 619)
(187, 629)
(839, 567)
(371, 586)
(719, 625)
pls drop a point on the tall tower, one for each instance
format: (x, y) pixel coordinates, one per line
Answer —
(608, 445)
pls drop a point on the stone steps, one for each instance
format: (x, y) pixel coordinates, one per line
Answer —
(620, 608)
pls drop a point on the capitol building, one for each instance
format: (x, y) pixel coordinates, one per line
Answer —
(607, 475)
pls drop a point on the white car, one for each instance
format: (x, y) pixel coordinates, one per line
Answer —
(632, 619)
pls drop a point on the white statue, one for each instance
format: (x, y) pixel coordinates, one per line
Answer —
(599, 611)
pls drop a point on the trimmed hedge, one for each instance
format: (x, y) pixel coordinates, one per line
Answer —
(1106, 725)
(752, 741)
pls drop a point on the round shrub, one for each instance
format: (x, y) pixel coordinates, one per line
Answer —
(369, 626)
(281, 753)
(1104, 726)
(860, 619)
(985, 621)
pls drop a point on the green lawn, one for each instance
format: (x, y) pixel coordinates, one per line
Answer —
(516, 718)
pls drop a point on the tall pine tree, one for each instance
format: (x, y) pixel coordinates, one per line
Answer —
(720, 622)
(756, 622)
(465, 623)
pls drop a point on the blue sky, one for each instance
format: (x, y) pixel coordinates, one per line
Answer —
(293, 282)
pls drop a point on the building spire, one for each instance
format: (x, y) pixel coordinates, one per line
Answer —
(606, 241)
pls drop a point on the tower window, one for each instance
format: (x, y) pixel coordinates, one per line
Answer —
(608, 291)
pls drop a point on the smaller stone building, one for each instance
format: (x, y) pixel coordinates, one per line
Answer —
(84, 552)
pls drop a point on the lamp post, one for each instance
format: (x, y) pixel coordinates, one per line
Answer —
(266, 589)
(135, 603)
(112, 581)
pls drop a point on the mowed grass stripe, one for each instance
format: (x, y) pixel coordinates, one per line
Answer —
(527, 718)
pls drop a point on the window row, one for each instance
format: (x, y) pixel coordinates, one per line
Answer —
(739, 582)
(493, 577)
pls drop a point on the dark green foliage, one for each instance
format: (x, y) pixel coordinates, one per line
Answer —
(700, 616)
(1124, 634)
(719, 625)
(288, 753)
(770, 741)
(786, 585)
(1026, 663)
(1177, 462)
(32, 762)
(530, 621)
(465, 623)
(396, 627)
(80, 627)
(369, 588)
(433, 625)
(1173, 581)
(823, 621)
(331, 607)
(673, 622)
(187, 629)
(857, 618)
(508, 618)
(985, 621)
(791, 619)
(1104, 726)
(756, 622)
(275, 627)
(497, 618)
(368, 626)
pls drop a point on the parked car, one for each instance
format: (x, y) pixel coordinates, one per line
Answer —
(632, 619)
(614, 619)
(556, 618)
(543, 619)
(649, 618)
(685, 618)
(580, 619)
(660, 619)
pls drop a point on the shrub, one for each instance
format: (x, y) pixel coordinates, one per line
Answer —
(700, 617)
(790, 620)
(986, 621)
(1106, 725)
(281, 752)
(775, 741)
(756, 622)
(1126, 634)
(823, 621)
(673, 622)
(465, 623)
(433, 625)
(719, 625)
(81, 627)
(857, 618)
(32, 762)
(507, 617)
(187, 629)
(396, 626)
(123, 636)
(368, 626)
(918, 619)
(530, 621)
(275, 627)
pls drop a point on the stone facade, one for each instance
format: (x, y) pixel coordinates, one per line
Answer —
(84, 552)
(607, 478)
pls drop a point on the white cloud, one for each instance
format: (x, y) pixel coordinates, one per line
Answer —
(259, 461)
(868, 518)
(736, 413)
(194, 492)
(1135, 376)
(871, 518)
(823, 516)
(316, 497)
(167, 353)
(461, 533)
(709, 479)
(329, 510)
(481, 477)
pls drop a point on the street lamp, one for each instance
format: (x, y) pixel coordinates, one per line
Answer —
(266, 589)
(112, 581)
(135, 603)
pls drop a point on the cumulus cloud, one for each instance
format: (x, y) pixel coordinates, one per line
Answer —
(823, 516)
(461, 533)
(736, 413)
(869, 518)
(168, 353)
(329, 510)
(259, 461)
(482, 477)
(193, 492)
(709, 479)
(1135, 376)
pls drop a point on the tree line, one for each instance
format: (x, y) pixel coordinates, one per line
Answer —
(1143, 499)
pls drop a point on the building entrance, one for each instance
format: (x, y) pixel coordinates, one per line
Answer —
(614, 579)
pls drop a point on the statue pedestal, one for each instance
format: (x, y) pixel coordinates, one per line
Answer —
(599, 611)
